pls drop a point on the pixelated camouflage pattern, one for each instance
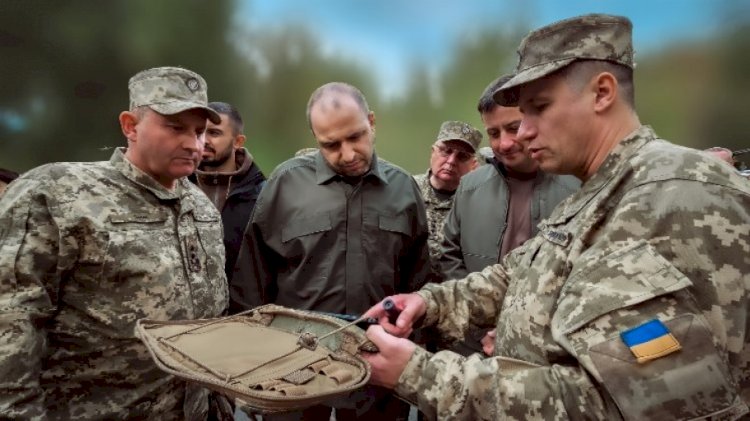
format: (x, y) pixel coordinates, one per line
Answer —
(170, 90)
(458, 130)
(550, 48)
(658, 232)
(306, 151)
(436, 210)
(87, 249)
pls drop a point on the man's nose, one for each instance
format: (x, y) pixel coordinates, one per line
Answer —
(526, 131)
(196, 142)
(347, 153)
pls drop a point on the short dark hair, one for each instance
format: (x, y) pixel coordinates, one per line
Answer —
(486, 101)
(580, 72)
(230, 110)
(7, 176)
(338, 87)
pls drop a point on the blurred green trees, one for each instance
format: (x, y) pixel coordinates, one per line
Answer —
(65, 67)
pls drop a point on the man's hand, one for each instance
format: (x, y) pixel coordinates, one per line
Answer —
(488, 342)
(412, 307)
(394, 353)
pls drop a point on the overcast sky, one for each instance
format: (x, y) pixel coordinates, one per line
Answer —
(388, 35)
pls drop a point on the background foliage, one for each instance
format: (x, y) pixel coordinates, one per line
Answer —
(65, 66)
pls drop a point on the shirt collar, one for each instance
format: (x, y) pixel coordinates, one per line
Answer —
(121, 163)
(616, 159)
(324, 173)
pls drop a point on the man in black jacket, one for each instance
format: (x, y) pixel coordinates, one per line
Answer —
(230, 178)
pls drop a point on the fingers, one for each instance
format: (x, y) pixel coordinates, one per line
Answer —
(411, 307)
(394, 353)
(378, 336)
(375, 311)
(488, 342)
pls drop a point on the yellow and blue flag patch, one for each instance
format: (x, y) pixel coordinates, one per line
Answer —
(650, 341)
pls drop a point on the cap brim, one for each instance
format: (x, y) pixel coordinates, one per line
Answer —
(453, 139)
(507, 95)
(176, 107)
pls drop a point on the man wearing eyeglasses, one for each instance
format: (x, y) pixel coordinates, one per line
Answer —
(499, 206)
(453, 155)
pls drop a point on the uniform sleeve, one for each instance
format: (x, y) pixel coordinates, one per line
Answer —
(29, 272)
(254, 278)
(451, 260)
(660, 299)
(446, 385)
(452, 304)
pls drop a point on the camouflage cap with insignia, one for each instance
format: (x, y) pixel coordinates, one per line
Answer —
(458, 130)
(170, 90)
(550, 48)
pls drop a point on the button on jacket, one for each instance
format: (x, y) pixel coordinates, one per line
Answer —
(318, 241)
(87, 249)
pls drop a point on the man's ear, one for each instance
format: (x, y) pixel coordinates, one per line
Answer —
(371, 119)
(606, 90)
(239, 141)
(128, 123)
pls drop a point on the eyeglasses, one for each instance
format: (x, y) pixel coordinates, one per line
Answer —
(447, 151)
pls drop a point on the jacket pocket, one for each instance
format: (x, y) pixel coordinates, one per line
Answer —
(144, 220)
(398, 224)
(138, 254)
(306, 226)
(211, 235)
(623, 278)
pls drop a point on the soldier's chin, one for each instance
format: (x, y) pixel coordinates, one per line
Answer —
(354, 170)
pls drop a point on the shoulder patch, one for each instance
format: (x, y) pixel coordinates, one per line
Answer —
(650, 341)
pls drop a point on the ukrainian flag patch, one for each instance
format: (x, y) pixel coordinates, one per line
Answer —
(650, 341)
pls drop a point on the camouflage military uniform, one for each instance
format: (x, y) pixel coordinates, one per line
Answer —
(658, 232)
(86, 249)
(436, 210)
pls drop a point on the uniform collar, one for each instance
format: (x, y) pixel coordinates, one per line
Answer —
(324, 173)
(137, 176)
(611, 167)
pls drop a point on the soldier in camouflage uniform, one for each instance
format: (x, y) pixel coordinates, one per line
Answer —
(453, 155)
(631, 302)
(87, 249)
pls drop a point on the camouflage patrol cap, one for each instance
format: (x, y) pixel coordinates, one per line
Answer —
(550, 48)
(458, 130)
(170, 90)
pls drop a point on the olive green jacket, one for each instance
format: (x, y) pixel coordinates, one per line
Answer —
(474, 228)
(316, 242)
